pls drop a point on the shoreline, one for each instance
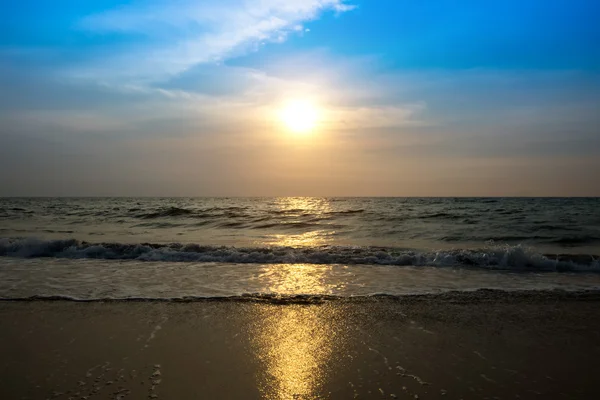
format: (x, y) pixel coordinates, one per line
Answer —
(453, 296)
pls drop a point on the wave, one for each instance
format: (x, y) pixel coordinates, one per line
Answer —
(288, 211)
(344, 212)
(505, 257)
(232, 224)
(561, 240)
(167, 212)
(503, 211)
(157, 224)
(441, 215)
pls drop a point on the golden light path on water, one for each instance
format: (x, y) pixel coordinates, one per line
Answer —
(295, 279)
(295, 343)
(296, 206)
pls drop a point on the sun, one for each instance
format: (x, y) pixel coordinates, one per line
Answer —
(300, 116)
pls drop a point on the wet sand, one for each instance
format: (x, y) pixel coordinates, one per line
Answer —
(472, 345)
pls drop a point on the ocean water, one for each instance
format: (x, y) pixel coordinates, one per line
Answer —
(99, 248)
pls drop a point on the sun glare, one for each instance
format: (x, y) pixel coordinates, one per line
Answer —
(300, 116)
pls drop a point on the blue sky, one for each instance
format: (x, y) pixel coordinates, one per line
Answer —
(178, 97)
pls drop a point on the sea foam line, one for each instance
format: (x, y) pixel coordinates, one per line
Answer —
(461, 296)
(489, 257)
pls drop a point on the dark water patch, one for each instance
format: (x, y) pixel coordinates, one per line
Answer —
(202, 223)
(488, 201)
(206, 216)
(503, 211)
(389, 218)
(496, 239)
(555, 228)
(232, 224)
(18, 211)
(266, 226)
(261, 219)
(84, 213)
(225, 209)
(346, 212)
(518, 217)
(167, 212)
(157, 225)
(575, 240)
(395, 232)
(232, 214)
(440, 215)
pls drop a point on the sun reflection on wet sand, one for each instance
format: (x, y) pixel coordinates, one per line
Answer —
(295, 342)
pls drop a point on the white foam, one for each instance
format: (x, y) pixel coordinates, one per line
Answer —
(488, 257)
(108, 279)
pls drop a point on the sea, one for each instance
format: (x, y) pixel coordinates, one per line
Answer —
(194, 248)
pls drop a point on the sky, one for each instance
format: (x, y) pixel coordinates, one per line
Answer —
(412, 97)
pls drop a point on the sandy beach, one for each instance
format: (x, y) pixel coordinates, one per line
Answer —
(485, 344)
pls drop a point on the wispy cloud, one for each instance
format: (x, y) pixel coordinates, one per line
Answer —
(183, 33)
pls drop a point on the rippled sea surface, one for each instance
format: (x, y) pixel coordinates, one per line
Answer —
(398, 222)
(540, 235)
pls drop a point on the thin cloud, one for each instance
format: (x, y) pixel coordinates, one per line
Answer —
(184, 33)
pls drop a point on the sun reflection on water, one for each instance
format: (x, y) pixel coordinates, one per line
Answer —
(295, 279)
(314, 205)
(296, 211)
(307, 239)
(295, 342)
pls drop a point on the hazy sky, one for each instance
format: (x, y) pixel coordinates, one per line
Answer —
(414, 97)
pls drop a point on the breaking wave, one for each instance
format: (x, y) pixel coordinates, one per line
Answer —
(518, 258)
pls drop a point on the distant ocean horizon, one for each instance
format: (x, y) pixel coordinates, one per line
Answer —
(180, 246)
